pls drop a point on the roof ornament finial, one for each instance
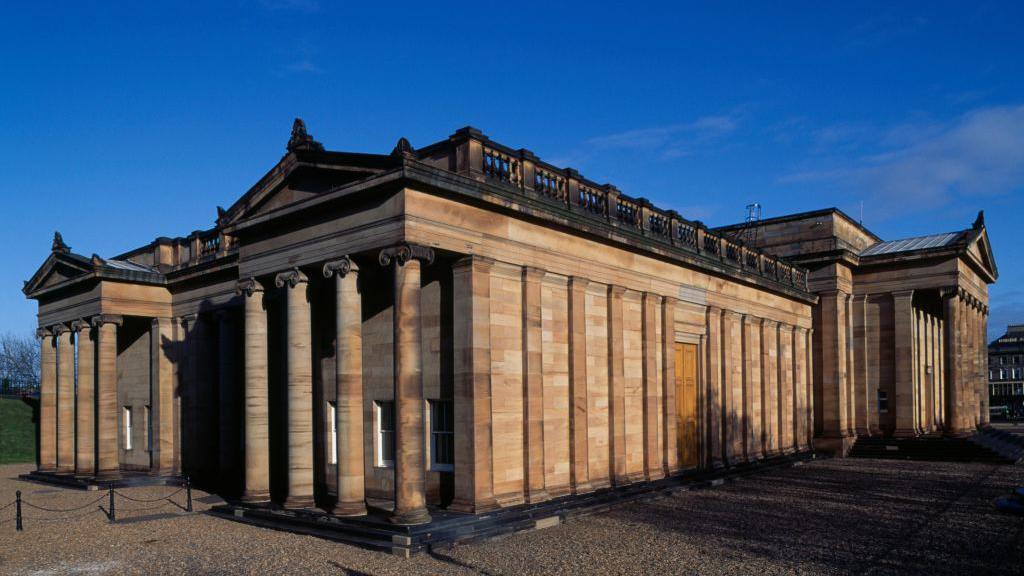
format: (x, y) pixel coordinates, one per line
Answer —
(979, 222)
(403, 149)
(301, 140)
(59, 245)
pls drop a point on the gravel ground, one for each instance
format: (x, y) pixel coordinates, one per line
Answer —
(827, 517)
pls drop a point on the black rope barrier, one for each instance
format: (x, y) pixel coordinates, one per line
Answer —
(110, 512)
(149, 500)
(45, 509)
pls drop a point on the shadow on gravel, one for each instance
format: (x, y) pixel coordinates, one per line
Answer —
(864, 517)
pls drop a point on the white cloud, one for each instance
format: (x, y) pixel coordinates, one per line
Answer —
(928, 163)
(673, 137)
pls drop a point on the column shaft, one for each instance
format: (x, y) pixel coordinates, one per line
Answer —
(653, 465)
(752, 378)
(670, 422)
(257, 436)
(107, 445)
(903, 334)
(65, 399)
(616, 387)
(300, 390)
(47, 400)
(471, 288)
(578, 447)
(714, 386)
(85, 417)
(533, 387)
(348, 382)
(162, 345)
(410, 500)
(769, 387)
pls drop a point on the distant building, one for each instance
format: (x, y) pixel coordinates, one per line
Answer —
(1006, 369)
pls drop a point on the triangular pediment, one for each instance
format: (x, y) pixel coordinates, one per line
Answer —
(58, 269)
(300, 176)
(979, 249)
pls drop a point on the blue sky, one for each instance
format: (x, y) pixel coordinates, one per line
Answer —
(119, 124)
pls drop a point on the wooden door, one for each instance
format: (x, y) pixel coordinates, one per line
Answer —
(686, 404)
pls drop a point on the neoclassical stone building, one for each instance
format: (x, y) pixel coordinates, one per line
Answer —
(461, 326)
(900, 327)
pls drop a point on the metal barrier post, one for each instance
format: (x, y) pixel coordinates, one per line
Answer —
(17, 522)
(113, 514)
(188, 493)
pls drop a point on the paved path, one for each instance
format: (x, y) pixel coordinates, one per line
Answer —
(828, 517)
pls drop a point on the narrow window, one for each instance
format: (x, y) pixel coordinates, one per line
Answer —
(442, 436)
(149, 428)
(385, 418)
(127, 427)
(332, 415)
(883, 402)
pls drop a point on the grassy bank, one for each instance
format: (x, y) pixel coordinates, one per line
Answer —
(17, 433)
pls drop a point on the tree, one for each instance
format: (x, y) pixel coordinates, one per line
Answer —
(19, 362)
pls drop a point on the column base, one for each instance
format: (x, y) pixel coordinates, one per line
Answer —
(905, 433)
(349, 509)
(298, 502)
(838, 447)
(473, 506)
(535, 496)
(108, 475)
(256, 496)
(410, 517)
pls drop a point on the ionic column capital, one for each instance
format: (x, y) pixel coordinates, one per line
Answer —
(248, 286)
(42, 333)
(402, 253)
(101, 319)
(768, 323)
(80, 324)
(342, 267)
(292, 278)
(59, 329)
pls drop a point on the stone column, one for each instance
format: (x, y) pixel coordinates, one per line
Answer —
(809, 374)
(47, 400)
(834, 389)
(653, 465)
(300, 389)
(578, 455)
(769, 387)
(732, 393)
(714, 385)
(65, 399)
(533, 387)
(348, 384)
(410, 499)
(257, 436)
(616, 387)
(903, 377)
(228, 432)
(107, 463)
(983, 369)
(670, 422)
(471, 334)
(971, 363)
(162, 346)
(859, 374)
(752, 387)
(852, 399)
(801, 381)
(785, 357)
(85, 414)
